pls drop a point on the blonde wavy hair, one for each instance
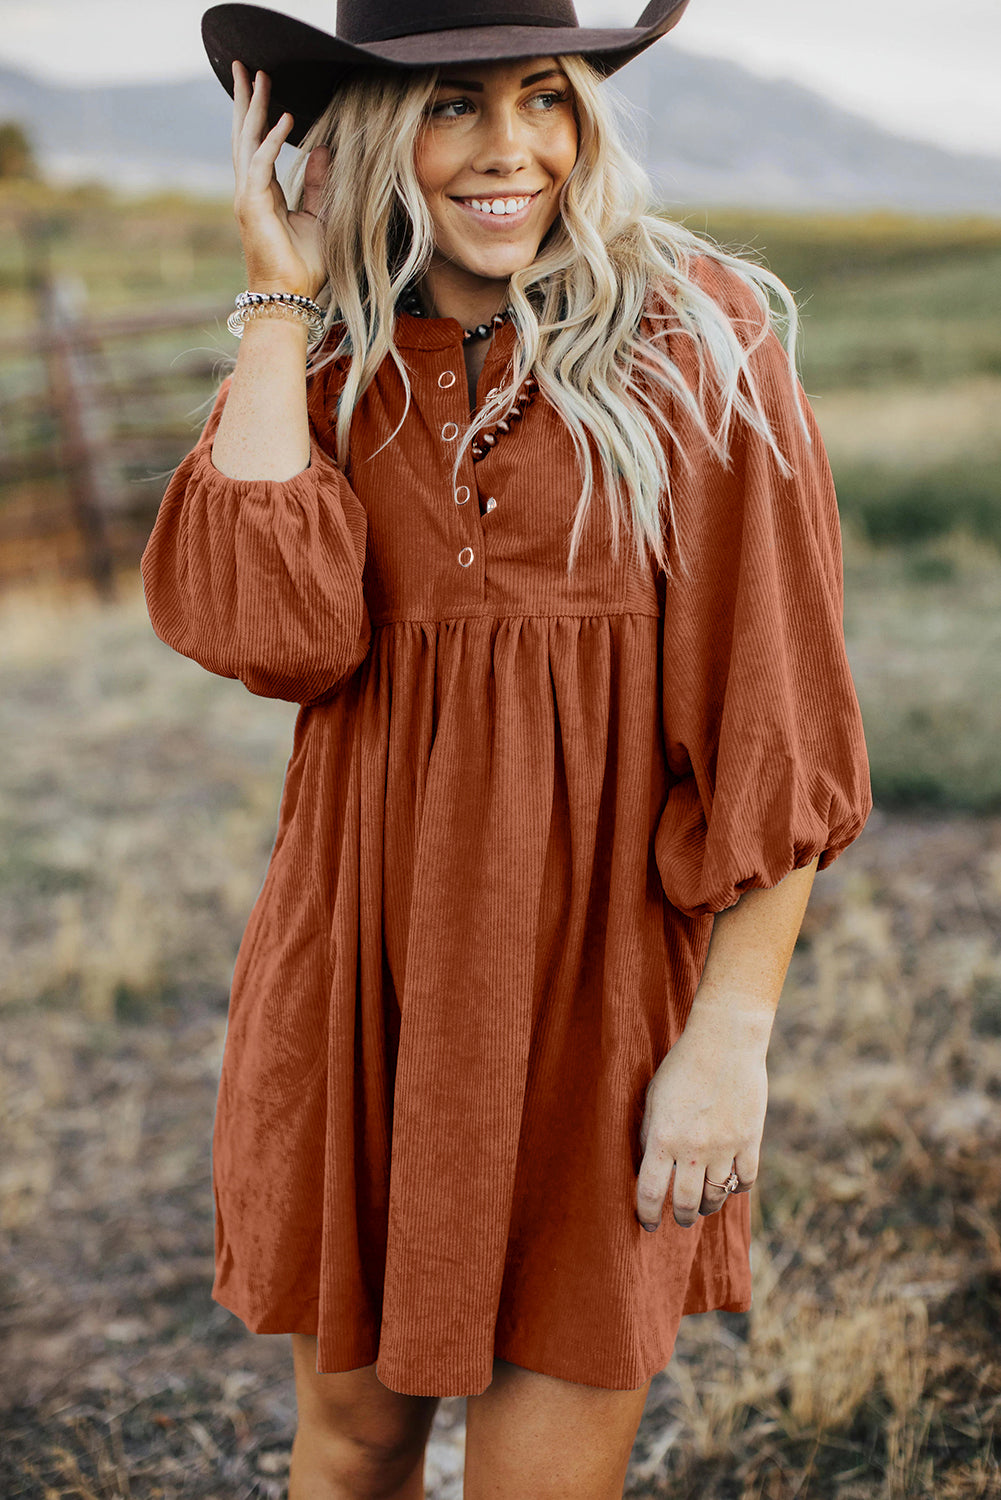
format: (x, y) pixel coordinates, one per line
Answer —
(576, 308)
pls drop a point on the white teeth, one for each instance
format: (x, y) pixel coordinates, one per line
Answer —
(498, 205)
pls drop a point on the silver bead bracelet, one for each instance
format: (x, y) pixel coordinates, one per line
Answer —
(256, 304)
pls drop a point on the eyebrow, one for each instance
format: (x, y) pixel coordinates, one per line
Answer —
(463, 83)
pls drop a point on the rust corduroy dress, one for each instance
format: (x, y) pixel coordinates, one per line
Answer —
(513, 803)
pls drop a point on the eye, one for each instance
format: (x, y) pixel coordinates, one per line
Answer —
(556, 97)
(553, 96)
(448, 104)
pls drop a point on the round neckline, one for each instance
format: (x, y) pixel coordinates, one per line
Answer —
(426, 332)
(441, 333)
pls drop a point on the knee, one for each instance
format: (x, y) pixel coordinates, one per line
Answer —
(364, 1441)
(355, 1436)
(364, 1467)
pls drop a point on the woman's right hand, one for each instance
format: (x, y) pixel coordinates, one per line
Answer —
(282, 250)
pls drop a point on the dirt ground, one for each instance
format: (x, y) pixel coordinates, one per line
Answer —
(870, 1365)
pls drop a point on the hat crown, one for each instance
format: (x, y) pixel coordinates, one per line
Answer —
(366, 21)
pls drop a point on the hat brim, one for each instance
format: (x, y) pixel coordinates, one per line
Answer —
(307, 65)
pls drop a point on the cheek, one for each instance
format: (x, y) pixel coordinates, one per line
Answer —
(565, 151)
(429, 163)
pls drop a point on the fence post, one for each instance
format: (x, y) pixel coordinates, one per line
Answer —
(83, 449)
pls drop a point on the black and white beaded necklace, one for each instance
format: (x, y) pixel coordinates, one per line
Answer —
(484, 441)
(411, 303)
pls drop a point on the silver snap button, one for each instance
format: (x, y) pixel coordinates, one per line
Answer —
(465, 557)
(462, 494)
(449, 431)
(446, 378)
(490, 505)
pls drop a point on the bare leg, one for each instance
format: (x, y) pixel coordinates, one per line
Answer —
(533, 1437)
(356, 1439)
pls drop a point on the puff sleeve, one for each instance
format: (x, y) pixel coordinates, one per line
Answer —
(261, 580)
(763, 733)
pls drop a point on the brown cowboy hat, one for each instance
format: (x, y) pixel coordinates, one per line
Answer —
(306, 65)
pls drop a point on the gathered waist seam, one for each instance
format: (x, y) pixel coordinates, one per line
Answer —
(561, 614)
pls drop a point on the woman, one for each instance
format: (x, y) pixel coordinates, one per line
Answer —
(542, 540)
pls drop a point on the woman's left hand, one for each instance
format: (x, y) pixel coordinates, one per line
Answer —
(705, 1113)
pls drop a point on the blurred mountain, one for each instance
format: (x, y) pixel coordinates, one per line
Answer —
(719, 134)
(135, 136)
(708, 131)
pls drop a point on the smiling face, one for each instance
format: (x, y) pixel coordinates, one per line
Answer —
(500, 142)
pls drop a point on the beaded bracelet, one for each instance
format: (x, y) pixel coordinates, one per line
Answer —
(285, 304)
(236, 321)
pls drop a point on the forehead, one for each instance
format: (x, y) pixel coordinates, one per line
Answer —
(506, 71)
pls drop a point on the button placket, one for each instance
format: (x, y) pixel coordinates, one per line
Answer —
(468, 558)
(450, 431)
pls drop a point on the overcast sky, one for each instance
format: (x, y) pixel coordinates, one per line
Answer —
(919, 67)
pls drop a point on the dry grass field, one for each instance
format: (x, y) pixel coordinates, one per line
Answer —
(139, 796)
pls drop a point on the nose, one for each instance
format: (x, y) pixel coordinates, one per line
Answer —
(502, 145)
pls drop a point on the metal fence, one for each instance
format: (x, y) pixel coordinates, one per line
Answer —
(94, 415)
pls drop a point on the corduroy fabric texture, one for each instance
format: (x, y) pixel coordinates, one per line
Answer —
(513, 803)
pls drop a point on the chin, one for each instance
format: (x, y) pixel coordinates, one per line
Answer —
(500, 266)
(501, 271)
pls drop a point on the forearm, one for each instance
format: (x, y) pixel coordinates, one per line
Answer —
(748, 958)
(264, 429)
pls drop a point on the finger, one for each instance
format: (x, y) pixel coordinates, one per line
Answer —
(255, 121)
(261, 172)
(243, 84)
(746, 1167)
(241, 102)
(314, 179)
(651, 1184)
(687, 1195)
(714, 1196)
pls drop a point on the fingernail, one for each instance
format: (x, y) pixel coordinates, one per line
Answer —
(650, 1227)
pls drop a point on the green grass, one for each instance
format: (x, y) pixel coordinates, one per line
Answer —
(898, 507)
(125, 252)
(882, 297)
(923, 629)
